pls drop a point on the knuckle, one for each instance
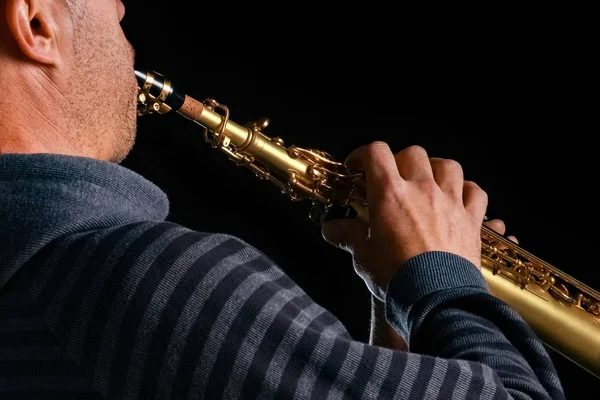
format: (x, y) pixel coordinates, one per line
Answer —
(374, 149)
(453, 165)
(447, 165)
(484, 197)
(376, 155)
(415, 151)
(472, 185)
(372, 153)
(482, 194)
(366, 155)
(429, 187)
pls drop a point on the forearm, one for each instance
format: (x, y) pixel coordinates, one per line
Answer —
(482, 329)
(444, 309)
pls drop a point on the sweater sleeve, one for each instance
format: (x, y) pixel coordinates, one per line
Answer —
(157, 311)
(439, 302)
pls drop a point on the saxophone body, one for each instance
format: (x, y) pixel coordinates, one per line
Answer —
(564, 313)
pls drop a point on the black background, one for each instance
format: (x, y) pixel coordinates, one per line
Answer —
(509, 98)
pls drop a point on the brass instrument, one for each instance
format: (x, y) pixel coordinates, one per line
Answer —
(564, 312)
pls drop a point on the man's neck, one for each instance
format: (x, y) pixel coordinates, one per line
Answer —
(24, 141)
(33, 126)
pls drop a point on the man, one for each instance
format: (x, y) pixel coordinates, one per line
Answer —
(100, 298)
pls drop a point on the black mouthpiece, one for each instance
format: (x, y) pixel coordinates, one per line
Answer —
(141, 78)
(161, 88)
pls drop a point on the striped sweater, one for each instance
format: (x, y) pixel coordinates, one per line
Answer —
(102, 298)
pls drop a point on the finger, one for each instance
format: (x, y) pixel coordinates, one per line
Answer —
(347, 234)
(499, 226)
(514, 239)
(475, 200)
(449, 176)
(496, 225)
(379, 166)
(413, 163)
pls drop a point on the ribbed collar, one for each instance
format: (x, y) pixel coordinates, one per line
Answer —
(44, 196)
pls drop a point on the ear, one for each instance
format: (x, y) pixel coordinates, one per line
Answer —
(32, 25)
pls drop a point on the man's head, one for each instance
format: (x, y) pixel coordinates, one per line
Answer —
(66, 78)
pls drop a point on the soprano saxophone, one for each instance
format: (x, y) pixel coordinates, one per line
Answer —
(564, 313)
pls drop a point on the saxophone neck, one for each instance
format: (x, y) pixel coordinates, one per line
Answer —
(301, 173)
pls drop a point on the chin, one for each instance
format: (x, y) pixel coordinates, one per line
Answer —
(124, 142)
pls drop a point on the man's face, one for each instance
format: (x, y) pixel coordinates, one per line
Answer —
(102, 85)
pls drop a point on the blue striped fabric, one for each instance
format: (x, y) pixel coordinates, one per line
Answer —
(104, 299)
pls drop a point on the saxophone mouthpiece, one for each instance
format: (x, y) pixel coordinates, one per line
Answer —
(141, 78)
(161, 90)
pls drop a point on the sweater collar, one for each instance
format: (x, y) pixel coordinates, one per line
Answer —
(44, 196)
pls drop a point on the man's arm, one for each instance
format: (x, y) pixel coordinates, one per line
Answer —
(156, 311)
(381, 332)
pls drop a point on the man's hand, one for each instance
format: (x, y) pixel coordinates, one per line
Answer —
(417, 204)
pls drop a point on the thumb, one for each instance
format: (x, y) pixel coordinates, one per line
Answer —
(348, 234)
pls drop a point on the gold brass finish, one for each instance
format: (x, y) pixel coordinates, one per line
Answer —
(563, 312)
